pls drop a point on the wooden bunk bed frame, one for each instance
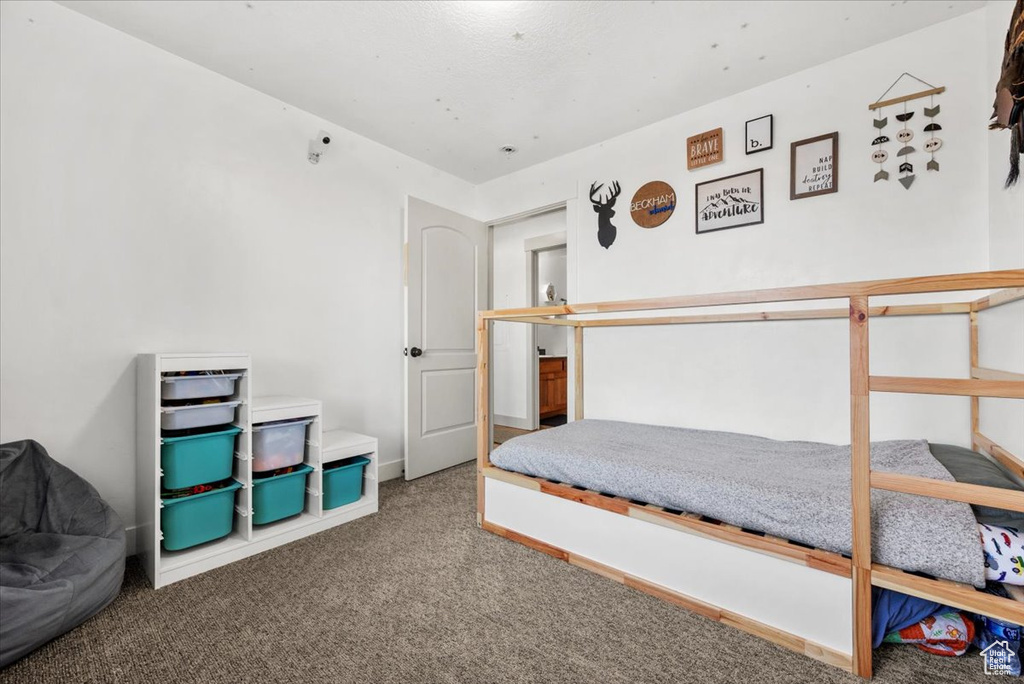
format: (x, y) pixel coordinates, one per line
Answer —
(508, 500)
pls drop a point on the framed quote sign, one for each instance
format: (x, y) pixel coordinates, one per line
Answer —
(814, 166)
(652, 204)
(704, 149)
(730, 202)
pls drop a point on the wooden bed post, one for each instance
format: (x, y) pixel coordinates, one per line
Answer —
(860, 459)
(975, 403)
(483, 411)
(578, 372)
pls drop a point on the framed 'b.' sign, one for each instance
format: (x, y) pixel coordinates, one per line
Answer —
(814, 166)
(759, 133)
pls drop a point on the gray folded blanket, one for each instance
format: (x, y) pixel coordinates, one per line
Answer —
(796, 490)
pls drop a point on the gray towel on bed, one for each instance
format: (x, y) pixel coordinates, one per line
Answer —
(796, 490)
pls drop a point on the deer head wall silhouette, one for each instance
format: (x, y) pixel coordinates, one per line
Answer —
(606, 232)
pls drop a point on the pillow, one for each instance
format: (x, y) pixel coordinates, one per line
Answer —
(971, 467)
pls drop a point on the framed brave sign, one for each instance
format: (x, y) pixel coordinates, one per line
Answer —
(730, 202)
(704, 149)
(652, 204)
(814, 166)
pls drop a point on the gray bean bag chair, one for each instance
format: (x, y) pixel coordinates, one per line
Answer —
(61, 550)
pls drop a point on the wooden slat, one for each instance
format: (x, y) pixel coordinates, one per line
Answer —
(973, 347)
(509, 477)
(775, 635)
(483, 411)
(860, 467)
(907, 98)
(798, 315)
(1010, 461)
(960, 596)
(541, 320)
(998, 298)
(941, 283)
(1008, 499)
(818, 559)
(578, 373)
(535, 544)
(993, 374)
(948, 386)
(772, 546)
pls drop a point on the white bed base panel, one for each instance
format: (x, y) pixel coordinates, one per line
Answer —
(802, 601)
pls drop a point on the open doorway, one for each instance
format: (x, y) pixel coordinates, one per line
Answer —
(551, 342)
(529, 255)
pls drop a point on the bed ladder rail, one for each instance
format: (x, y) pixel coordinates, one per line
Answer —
(1008, 389)
(962, 596)
(1007, 499)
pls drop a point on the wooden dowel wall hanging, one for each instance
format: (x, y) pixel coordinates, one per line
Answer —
(905, 135)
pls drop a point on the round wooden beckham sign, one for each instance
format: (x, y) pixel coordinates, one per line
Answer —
(652, 204)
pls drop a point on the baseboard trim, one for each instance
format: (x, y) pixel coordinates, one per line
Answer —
(513, 422)
(392, 470)
(130, 540)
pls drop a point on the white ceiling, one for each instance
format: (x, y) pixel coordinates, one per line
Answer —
(450, 82)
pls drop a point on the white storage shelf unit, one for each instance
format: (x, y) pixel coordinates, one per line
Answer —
(164, 567)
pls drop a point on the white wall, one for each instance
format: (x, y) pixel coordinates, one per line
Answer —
(152, 205)
(149, 204)
(511, 340)
(551, 269)
(1001, 330)
(787, 380)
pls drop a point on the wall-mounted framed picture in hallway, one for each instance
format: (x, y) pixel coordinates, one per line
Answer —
(814, 166)
(759, 133)
(730, 202)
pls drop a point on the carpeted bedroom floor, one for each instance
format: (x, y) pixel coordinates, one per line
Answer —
(417, 593)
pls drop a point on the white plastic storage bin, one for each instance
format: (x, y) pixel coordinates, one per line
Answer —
(200, 415)
(198, 386)
(278, 444)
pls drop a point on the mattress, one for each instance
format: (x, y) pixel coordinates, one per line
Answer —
(795, 490)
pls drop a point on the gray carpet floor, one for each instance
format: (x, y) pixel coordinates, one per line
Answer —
(417, 593)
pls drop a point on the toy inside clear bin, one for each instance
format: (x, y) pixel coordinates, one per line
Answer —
(279, 444)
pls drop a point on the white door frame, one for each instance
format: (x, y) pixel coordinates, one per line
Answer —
(532, 247)
(569, 207)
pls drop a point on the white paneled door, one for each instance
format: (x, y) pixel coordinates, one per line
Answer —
(447, 285)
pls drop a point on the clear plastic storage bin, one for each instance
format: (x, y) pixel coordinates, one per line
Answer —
(200, 415)
(198, 386)
(279, 444)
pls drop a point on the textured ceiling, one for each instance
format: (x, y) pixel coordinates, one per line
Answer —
(449, 83)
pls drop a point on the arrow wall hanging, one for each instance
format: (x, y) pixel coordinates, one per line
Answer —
(906, 134)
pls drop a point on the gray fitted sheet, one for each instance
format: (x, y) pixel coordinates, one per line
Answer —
(796, 490)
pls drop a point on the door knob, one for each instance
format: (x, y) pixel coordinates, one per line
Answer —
(415, 351)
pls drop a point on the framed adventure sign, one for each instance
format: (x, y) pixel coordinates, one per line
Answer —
(814, 166)
(730, 202)
(704, 149)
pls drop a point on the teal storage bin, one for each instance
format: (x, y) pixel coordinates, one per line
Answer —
(280, 496)
(197, 459)
(343, 481)
(198, 519)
